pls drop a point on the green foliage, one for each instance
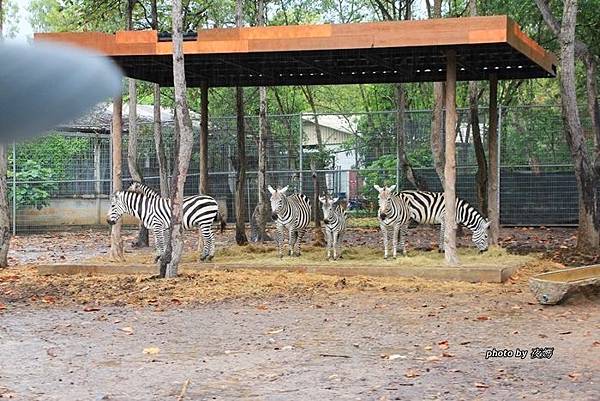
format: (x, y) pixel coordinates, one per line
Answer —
(34, 185)
(54, 151)
(381, 172)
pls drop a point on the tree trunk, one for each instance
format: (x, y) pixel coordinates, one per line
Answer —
(319, 235)
(450, 164)
(588, 235)
(116, 242)
(5, 231)
(159, 146)
(481, 182)
(403, 167)
(492, 192)
(262, 210)
(204, 138)
(186, 137)
(240, 181)
(437, 138)
(593, 106)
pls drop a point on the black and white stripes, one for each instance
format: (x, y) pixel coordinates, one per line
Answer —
(334, 217)
(155, 214)
(292, 214)
(393, 217)
(429, 207)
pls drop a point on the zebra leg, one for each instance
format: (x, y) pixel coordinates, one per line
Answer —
(334, 245)
(395, 230)
(329, 236)
(403, 236)
(159, 236)
(338, 241)
(292, 234)
(208, 239)
(442, 230)
(279, 238)
(299, 235)
(384, 232)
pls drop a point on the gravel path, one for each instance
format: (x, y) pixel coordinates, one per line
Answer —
(374, 346)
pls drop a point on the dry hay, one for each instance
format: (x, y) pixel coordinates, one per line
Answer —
(23, 286)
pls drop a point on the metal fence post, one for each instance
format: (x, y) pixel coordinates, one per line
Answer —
(14, 192)
(97, 178)
(300, 156)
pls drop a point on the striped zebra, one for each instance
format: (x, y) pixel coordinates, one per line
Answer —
(142, 188)
(394, 216)
(155, 214)
(291, 213)
(334, 217)
(429, 208)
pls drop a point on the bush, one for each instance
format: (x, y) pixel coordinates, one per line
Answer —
(34, 185)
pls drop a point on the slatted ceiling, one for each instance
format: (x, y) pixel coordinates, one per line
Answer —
(407, 51)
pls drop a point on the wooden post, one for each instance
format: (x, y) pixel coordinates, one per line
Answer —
(204, 138)
(450, 165)
(116, 242)
(493, 192)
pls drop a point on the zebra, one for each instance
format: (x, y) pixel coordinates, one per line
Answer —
(334, 217)
(291, 213)
(142, 188)
(155, 214)
(394, 216)
(429, 208)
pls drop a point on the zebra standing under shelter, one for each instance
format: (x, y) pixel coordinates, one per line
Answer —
(429, 208)
(155, 214)
(291, 213)
(334, 217)
(394, 216)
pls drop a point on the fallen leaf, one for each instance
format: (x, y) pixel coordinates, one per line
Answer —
(483, 318)
(48, 299)
(91, 309)
(410, 373)
(433, 358)
(481, 385)
(176, 301)
(277, 331)
(2, 306)
(594, 344)
(396, 356)
(262, 307)
(447, 354)
(151, 350)
(574, 376)
(443, 344)
(565, 332)
(127, 330)
(465, 342)
(428, 348)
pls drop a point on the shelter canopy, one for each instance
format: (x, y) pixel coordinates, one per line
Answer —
(378, 52)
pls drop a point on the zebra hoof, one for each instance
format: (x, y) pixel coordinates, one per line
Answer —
(440, 251)
(340, 257)
(202, 258)
(209, 258)
(156, 259)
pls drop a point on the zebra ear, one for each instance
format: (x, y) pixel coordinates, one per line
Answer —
(282, 190)
(378, 188)
(487, 224)
(271, 190)
(322, 199)
(334, 200)
(392, 187)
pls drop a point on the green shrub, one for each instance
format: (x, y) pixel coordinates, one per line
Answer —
(34, 185)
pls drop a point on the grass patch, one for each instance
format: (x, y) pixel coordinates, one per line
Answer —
(363, 222)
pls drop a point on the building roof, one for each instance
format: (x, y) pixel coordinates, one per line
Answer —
(376, 52)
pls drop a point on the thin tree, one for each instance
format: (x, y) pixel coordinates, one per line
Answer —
(132, 139)
(5, 232)
(262, 210)
(481, 182)
(437, 121)
(587, 176)
(116, 242)
(159, 144)
(240, 182)
(169, 263)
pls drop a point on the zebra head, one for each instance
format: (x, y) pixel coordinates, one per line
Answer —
(385, 200)
(142, 188)
(117, 208)
(327, 207)
(480, 235)
(278, 200)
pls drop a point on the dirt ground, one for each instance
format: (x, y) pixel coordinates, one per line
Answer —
(288, 336)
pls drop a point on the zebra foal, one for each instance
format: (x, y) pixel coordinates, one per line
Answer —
(155, 214)
(334, 217)
(292, 214)
(394, 216)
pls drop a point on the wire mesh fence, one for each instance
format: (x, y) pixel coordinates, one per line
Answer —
(63, 180)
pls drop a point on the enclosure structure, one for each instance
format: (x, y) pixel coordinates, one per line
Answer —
(473, 48)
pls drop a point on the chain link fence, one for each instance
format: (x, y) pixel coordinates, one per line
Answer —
(63, 181)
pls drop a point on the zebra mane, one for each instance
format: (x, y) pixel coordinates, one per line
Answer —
(141, 188)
